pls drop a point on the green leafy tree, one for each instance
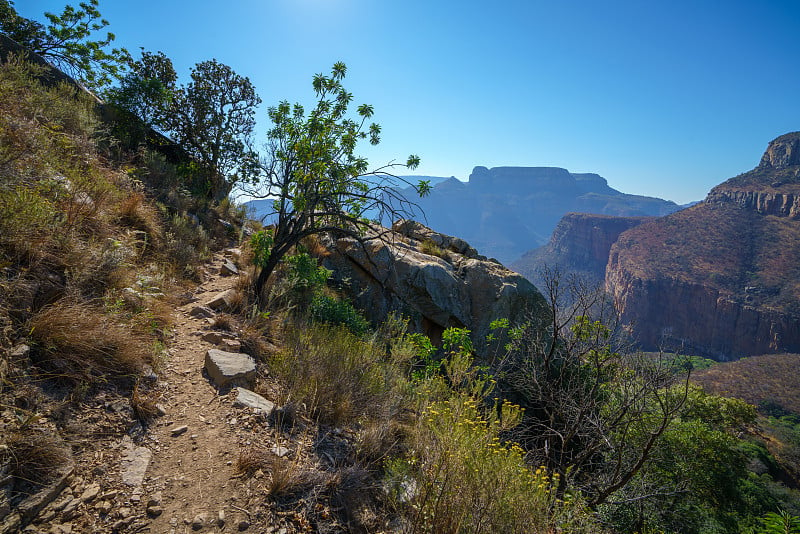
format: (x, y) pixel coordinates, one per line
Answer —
(148, 89)
(68, 43)
(318, 182)
(213, 119)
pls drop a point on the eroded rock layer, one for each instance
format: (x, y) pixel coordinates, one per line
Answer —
(721, 278)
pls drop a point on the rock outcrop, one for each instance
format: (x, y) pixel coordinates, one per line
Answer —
(720, 278)
(580, 245)
(436, 280)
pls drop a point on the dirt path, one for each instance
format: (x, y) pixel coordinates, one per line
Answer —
(190, 483)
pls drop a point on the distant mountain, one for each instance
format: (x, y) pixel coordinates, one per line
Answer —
(721, 278)
(580, 245)
(506, 211)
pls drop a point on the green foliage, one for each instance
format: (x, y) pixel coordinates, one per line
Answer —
(424, 350)
(143, 99)
(67, 42)
(327, 309)
(457, 340)
(780, 523)
(261, 243)
(339, 376)
(213, 119)
(459, 475)
(318, 182)
(305, 274)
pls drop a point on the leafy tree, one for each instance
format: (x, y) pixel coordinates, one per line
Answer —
(213, 119)
(66, 42)
(148, 89)
(318, 182)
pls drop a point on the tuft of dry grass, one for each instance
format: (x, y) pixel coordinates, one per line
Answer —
(34, 455)
(286, 476)
(135, 213)
(144, 405)
(432, 249)
(79, 341)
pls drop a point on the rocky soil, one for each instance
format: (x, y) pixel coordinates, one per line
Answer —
(179, 473)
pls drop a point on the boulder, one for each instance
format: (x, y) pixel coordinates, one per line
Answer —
(223, 301)
(228, 269)
(449, 285)
(229, 368)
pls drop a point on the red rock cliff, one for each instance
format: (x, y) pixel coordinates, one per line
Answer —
(722, 278)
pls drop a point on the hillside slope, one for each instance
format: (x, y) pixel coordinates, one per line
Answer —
(719, 278)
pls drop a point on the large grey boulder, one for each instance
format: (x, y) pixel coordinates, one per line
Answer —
(230, 368)
(438, 281)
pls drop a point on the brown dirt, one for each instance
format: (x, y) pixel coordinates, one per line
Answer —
(191, 483)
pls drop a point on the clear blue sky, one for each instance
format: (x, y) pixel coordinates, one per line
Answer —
(661, 98)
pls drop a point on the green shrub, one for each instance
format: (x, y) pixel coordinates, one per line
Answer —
(465, 480)
(338, 376)
(334, 311)
(432, 249)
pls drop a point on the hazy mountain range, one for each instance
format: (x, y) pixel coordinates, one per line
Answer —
(506, 211)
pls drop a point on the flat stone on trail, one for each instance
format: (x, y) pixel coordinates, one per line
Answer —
(222, 301)
(178, 430)
(202, 312)
(249, 399)
(229, 368)
(134, 465)
(228, 269)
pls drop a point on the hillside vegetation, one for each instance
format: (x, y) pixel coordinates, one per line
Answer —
(106, 229)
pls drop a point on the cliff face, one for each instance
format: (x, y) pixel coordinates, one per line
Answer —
(721, 278)
(580, 244)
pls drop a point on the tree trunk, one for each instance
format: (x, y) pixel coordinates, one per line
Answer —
(263, 276)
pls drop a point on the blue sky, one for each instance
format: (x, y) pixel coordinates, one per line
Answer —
(661, 98)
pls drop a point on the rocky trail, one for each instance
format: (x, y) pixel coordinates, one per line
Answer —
(178, 474)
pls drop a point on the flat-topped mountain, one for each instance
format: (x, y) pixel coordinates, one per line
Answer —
(506, 211)
(721, 278)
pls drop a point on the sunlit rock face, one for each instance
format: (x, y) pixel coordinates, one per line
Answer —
(721, 278)
(437, 281)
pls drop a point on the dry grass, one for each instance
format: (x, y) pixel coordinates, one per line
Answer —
(78, 341)
(287, 476)
(432, 249)
(144, 405)
(135, 212)
(337, 375)
(34, 455)
(772, 377)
